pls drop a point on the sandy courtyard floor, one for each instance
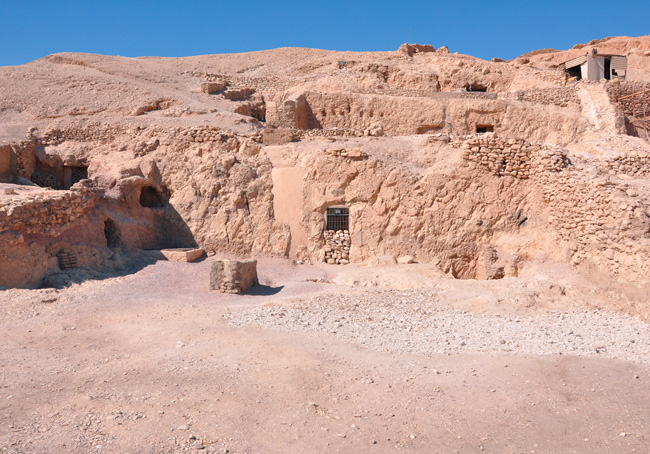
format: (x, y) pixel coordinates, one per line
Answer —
(153, 362)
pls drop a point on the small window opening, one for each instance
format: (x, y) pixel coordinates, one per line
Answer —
(338, 219)
(112, 234)
(150, 198)
(482, 129)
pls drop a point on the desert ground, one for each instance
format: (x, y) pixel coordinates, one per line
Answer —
(313, 361)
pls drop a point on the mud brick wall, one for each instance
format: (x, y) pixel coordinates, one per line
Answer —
(233, 276)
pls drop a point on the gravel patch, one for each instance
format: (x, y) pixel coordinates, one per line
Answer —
(416, 321)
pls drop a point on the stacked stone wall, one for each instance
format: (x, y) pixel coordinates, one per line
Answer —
(634, 164)
(337, 247)
(625, 88)
(561, 97)
(511, 157)
(45, 215)
(354, 153)
(600, 220)
(96, 133)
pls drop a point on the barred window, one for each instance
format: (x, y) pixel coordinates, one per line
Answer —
(338, 219)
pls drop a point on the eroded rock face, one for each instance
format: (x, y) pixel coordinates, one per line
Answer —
(478, 166)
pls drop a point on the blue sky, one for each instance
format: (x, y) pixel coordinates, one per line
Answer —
(499, 28)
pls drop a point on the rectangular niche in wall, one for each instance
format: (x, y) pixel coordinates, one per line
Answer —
(338, 219)
(482, 129)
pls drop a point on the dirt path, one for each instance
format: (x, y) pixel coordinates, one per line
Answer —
(152, 363)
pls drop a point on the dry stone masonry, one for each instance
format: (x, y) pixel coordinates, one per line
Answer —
(512, 157)
(233, 276)
(635, 164)
(45, 214)
(337, 247)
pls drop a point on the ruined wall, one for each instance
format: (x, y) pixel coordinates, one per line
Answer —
(624, 88)
(630, 108)
(560, 96)
(603, 223)
(7, 164)
(634, 164)
(599, 221)
(36, 229)
(46, 215)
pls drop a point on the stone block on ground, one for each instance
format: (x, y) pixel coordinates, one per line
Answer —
(406, 259)
(386, 260)
(182, 254)
(213, 87)
(233, 276)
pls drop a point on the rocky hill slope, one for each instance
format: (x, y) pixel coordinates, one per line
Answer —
(486, 168)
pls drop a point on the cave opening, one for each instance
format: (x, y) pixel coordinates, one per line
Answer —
(476, 87)
(151, 198)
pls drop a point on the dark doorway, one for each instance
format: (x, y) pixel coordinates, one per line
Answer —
(482, 129)
(73, 174)
(608, 68)
(112, 234)
(574, 72)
